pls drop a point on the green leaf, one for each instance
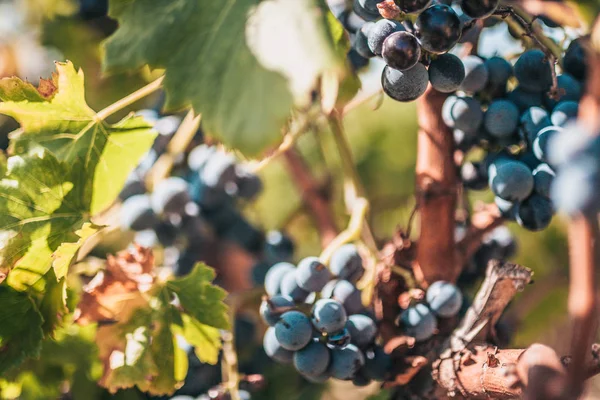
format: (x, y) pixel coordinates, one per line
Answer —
(20, 328)
(205, 339)
(200, 298)
(60, 120)
(52, 304)
(66, 253)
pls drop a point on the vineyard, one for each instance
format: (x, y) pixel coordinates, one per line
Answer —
(299, 199)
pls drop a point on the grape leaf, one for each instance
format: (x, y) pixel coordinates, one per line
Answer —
(53, 299)
(66, 253)
(57, 117)
(200, 298)
(205, 339)
(20, 328)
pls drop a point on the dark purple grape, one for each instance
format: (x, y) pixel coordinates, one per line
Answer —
(479, 8)
(412, 6)
(405, 85)
(438, 28)
(401, 50)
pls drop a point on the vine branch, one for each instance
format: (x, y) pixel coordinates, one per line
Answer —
(130, 99)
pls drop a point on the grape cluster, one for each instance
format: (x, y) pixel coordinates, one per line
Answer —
(420, 321)
(337, 339)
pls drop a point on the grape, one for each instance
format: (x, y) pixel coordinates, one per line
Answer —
(464, 141)
(502, 242)
(401, 50)
(405, 85)
(438, 28)
(274, 349)
(446, 73)
(219, 170)
(524, 99)
(367, 9)
(512, 181)
(328, 316)
(244, 234)
(479, 8)
(574, 60)
(346, 263)
(419, 322)
(361, 40)
(312, 360)
(349, 19)
(543, 176)
(575, 188)
(249, 185)
(362, 330)
(476, 74)
(275, 276)
(259, 272)
(293, 330)
(528, 158)
(499, 71)
(346, 362)
(289, 287)
(357, 62)
(501, 119)
(317, 378)
(563, 112)
(341, 338)
(569, 89)
(147, 162)
(532, 121)
(344, 292)
(570, 143)
(535, 213)
(136, 213)
(146, 238)
(361, 379)
(170, 196)
(379, 32)
(278, 246)
(533, 71)
(540, 144)
(473, 175)
(312, 275)
(507, 208)
(272, 308)
(133, 185)
(444, 299)
(377, 364)
(167, 126)
(462, 113)
(412, 6)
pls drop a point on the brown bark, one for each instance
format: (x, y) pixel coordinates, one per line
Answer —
(436, 191)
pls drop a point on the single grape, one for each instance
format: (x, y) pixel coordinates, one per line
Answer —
(401, 50)
(346, 263)
(341, 338)
(275, 277)
(533, 71)
(419, 322)
(380, 32)
(507, 208)
(438, 28)
(473, 175)
(412, 6)
(363, 330)
(378, 364)
(346, 362)
(312, 275)
(149, 115)
(361, 379)
(244, 234)
(574, 60)
(569, 90)
(361, 40)
(312, 360)
(357, 62)
(479, 8)
(541, 142)
(219, 170)
(170, 196)
(317, 378)
(528, 158)
(249, 185)
(535, 213)
(476, 74)
(502, 242)
(272, 308)
(146, 238)
(501, 118)
(134, 185)
(274, 349)
(199, 156)
(462, 113)
(278, 246)
(532, 121)
(563, 112)
(464, 141)
(329, 316)
(293, 330)
(512, 181)
(444, 299)
(499, 71)
(524, 99)
(543, 176)
(289, 287)
(405, 85)
(446, 73)
(367, 9)
(344, 292)
(136, 213)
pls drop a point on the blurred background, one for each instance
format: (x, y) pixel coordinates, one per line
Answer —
(382, 132)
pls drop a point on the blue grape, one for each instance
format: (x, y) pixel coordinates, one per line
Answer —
(272, 308)
(379, 32)
(569, 90)
(462, 113)
(502, 241)
(170, 196)
(312, 360)
(575, 188)
(363, 330)
(541, 142)
(532, 121)
(512, 181)
(344, 292)
(341, 338)
(357, 62)
(219, 171)
(563, 112)
(479, 8)
(412, 6)
(438, 28)
(507, 208)
(312, 275)
(361, 40)
(473, 175)
(444, 299)
(367, 9)
(317, 378)
(569, 144)
(136, 213)
(535, 213)
(574, 60)
(401, 50)
(405, 85)
(464, 141)
(499, 71)
(419, 322)
(274, 349)
(378, 364)
(501, 119)
(289, 287)
(361, 379)
(249, 185)
(275, 277)
(346, 362)
(134, 185)
(167, 126)
(278, 246)
(146, 238)
(446, 73)
(533, 71)
(524, 99)
(328, 316)
(543, 176)
(346, 263)
(528, 158)
(244, 234)
(199, 156)
(476, 74)
(293, 330)
(259, 272)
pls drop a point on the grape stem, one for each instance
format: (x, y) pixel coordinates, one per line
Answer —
(229, 363)
(130, 99)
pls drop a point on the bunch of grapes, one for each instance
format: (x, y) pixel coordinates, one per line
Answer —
(337, 337)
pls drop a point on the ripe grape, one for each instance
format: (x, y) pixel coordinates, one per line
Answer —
(367, 9)
(569, 144)
(289, 287)
(274, 349)
(361, 40)
(199, 156)
(219, 171)
(574, 60)
(535, 213)
(341, 338)
(412, 6)
(312, 275)
(405, 85)
(524, 99)
(507, 208)
(293, 330)
(532, 121)
(379, 32)
(136, 213)
(344, 292)
(543, 176)
(312, 360)
(249, 185)
(377, 364)
(346, 263)
(419, 322)
(133, 186)
(575, 189)
(446, 73)
(563, 112)
(170, 196)
(569, 89)
(362, 330)
(361, 379)
(278, 246)
(476, 74)
(501, 119)
(511, 180)
(438, 28)
(401, 50)
(479, 8)
(473, 175)
(272, 308)
(499, 71)
(540, 144)
(275, 277)
(462, 113)
(328, 316)
(444, 299)
(346, 362)
(533, 71)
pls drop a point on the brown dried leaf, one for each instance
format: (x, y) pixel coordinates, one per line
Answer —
(48, 87)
